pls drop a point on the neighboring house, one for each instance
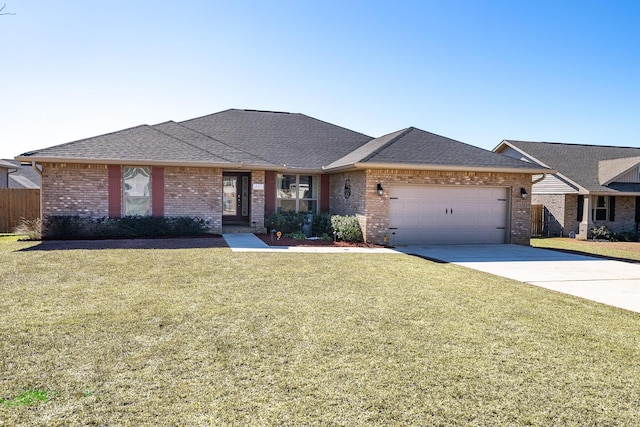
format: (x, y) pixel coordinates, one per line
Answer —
(15, 175)
(238, 166)
(594, 185)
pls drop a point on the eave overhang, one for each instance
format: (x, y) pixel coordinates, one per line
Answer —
(455, 168)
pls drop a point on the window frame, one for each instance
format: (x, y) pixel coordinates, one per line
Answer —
(602, 209)
(314, 192)
(146, 189)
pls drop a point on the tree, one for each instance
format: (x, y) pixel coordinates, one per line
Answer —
(5, 13)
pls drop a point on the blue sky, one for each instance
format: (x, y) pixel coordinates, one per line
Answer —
(475, 71)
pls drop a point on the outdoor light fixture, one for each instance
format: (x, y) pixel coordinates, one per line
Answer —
(523, 193)
(380, 189)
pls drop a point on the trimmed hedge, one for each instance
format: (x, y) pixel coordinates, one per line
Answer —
(81, 227)
(347, 228)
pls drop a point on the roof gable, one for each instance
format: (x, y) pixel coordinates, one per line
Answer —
(414, 147)
(609, 170)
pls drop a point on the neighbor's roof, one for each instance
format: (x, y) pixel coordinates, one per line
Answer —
(21, 176)
(591, 167)
(416, 148)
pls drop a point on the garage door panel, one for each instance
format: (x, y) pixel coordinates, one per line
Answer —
(448, 215)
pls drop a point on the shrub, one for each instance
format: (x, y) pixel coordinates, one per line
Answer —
(80, 227)
(298, 235)
(601, 233)
(286, 222)
(321, 225)
(32, 228)
(347, 228)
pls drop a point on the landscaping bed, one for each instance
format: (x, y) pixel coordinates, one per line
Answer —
(290, 241)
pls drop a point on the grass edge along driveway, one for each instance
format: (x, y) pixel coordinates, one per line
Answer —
(211, 337)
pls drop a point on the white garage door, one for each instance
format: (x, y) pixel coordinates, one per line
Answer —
(447, 215)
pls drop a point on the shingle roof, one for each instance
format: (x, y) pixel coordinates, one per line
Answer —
(138, 144)
(23, 177)
(208, 145)
(273, 140)
(290, 139)
(588, 166)
(413, 146)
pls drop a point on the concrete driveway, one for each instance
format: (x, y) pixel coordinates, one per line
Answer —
(614, 283)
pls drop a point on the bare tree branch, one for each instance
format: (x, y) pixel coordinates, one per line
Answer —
(5, 13)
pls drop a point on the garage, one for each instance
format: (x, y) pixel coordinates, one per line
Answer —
(447, 215)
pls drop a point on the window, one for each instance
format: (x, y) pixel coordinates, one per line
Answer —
(600, 209)
(297, 193)
(137, 191)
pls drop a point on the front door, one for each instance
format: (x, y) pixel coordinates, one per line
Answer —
(235, 197)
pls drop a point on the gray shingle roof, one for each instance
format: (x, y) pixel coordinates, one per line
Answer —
(208, 145)
(589, 166)
(413, 146)
(290, 139)
(23, 177)
(138, 144)
(272, 140)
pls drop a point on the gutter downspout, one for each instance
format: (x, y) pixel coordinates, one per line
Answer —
(544, 175)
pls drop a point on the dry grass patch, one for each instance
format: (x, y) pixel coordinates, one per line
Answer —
(621, 250)
(211, 337)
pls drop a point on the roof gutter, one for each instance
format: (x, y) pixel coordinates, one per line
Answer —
(455, 168)
(139, 162)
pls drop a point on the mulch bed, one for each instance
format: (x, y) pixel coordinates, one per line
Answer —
(288, 241)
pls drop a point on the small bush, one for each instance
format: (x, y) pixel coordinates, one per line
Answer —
(347, 228)
(80, 227)
(286, 222)
(298, 235)
(601, 233)
(321, 225)
(32, 228)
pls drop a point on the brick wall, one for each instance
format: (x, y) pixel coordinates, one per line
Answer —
(75, 189)
(555, 214)
(625, 215)
(257, 200)
(355, 203)
(373, 210)
(194, 192)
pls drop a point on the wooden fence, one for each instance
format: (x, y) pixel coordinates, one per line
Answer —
(18, 203)
(536, 220)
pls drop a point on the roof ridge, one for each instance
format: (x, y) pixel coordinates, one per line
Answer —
(573, 144)
(334, 125)
(223, 143)
(188, 143)
(400, 134)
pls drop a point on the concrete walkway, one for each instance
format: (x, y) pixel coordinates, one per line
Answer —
(248, 242)
(614, 283)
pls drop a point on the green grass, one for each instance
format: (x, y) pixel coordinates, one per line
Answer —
(29, 397)
(211, 337)
(622, 250)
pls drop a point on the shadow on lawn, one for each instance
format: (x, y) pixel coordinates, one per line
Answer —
(169, 243)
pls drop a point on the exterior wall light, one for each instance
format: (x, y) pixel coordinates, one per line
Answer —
(380, 189)
(523, 193)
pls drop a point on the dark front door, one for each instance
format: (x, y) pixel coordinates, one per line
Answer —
(235, 197)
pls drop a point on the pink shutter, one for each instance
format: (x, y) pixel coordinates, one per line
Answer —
(324, 193)
(115, 191)
(157, 191)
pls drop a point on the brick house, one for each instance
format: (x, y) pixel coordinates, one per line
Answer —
(235, 167)
(593, 186)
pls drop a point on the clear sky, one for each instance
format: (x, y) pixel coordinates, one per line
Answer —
(475, 71)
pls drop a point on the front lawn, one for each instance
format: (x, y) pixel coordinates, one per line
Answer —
(621, 250)
(210, 337)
